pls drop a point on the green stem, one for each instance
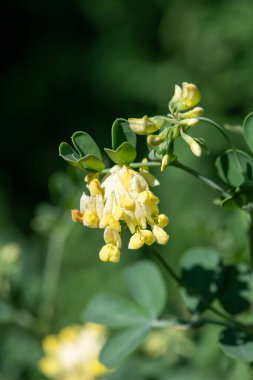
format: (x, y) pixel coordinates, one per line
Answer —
(211, 122)
(152, 164)
(216, 125)
(210, 183)
(200, 297)
(184, 324)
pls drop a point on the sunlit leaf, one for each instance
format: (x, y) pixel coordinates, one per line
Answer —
(85, 144)
(147, 286)
(92, 162)
(121, 132)
(118, 347)
(114, 311)
(124, 154)
(68, 154)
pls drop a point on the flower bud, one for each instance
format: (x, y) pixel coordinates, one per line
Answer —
(135, 241)
(165, 162)
(147, 237)
(143, 126)
(188, 122)
(110, 253)
(195, 112)
(195, 148)
(186, 97)
(190, 95)
(160, 235)
(193, 144)
(154, 140)
(162, 220)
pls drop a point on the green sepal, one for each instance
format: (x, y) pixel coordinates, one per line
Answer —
(124, 154)
(248, 130)
(237, 344)
(121, 132)
(235, 167)
(85, 145)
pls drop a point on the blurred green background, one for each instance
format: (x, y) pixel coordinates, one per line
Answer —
(77, 65)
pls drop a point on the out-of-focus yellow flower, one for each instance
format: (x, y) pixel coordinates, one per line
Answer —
(123, 197)
(171, 343)
(10, 253)
(73, 354)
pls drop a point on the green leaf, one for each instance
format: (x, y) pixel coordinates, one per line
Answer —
(248, 130)
(147, 287)
(237, 344)
(124, 154)
(232, 203)
(241, 197)
(92, 162)
(234, 289)
(85, 144)
(121, 132)
(235, 168)
(118, 347)
(114, 311)
(201, 268)
(68, 154)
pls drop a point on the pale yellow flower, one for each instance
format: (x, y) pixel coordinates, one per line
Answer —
(123, 197)
(73, 354)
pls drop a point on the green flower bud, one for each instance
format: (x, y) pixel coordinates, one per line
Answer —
(143, 126)
(154, 140)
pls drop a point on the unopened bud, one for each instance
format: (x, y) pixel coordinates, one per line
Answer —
(143, 126)
(154, 140)
(165, 162)
(195, 148)
(190, 95)
(110, 253)
(186, 97)
(195, 112)
(189, 122)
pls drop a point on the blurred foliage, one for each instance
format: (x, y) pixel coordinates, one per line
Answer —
(77, 65)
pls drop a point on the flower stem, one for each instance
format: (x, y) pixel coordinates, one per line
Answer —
(216, 125)
(210, 183)
(181, 324)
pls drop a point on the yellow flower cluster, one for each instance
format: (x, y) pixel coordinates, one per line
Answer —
(123, 196)
(73, 354)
